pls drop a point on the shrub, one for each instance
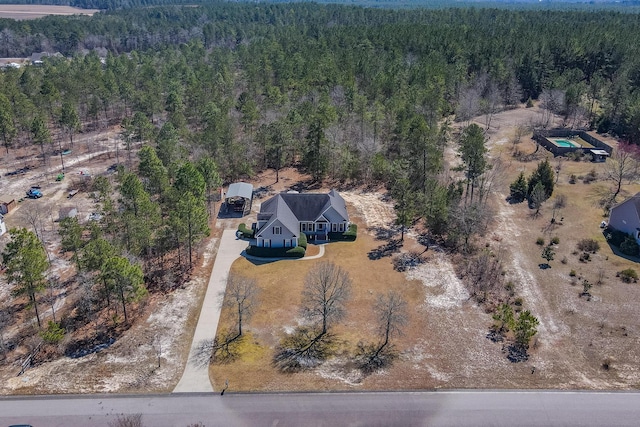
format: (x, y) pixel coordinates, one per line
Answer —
(555, 240)
(529, 103)
(585, 257)
(258, 251)
(53, 334)
(302, 240)
(350, 234)
(629, 246)
(591, 176)
(588, 245)
(615, 237)
(629, 275)
(246, 232)
(572, 273)
(540, 241)
(572, 179)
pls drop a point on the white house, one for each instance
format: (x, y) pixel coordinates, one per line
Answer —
(3, 226)
(283, 217)
(625, 216)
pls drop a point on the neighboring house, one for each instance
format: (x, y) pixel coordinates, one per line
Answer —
(283, 217)
(3, 226)
(625, 216)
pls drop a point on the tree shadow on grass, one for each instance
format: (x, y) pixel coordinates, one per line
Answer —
(516, 353)
(385, 250)
(383, 233)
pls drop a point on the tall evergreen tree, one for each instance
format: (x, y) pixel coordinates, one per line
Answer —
(26, 263)
(473, 152)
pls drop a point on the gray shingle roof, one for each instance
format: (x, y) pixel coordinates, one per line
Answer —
(291, 208)
(635, 199)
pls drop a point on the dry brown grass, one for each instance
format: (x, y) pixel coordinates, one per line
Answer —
(281, 286)
(581, 344)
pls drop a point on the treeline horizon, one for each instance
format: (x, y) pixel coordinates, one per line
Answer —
(622, 6)
(379, 53)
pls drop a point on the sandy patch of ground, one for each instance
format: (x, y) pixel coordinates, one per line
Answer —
(376, 212)
(444, 289)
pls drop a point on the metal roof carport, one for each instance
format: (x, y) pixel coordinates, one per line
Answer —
(242, 190)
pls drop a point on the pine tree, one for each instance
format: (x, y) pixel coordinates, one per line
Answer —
(544, 175)
(518, 189)
(26, 263)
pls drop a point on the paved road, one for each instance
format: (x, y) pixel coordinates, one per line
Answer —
(195, 377)
(433, 409)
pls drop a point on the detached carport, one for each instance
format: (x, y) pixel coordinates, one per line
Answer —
(239, 197)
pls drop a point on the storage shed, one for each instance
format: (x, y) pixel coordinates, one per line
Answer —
(7, 204)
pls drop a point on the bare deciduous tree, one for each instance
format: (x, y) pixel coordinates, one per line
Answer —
(35, 216)
(559, 202)
(491, 102)
(520, 131)
(468, 104)
(552, 102)
(483, 274)
(391, 316)
(621, 167)
(242, 297)
(326, 289)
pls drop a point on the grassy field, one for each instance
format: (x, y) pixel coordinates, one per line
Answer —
(35, 11)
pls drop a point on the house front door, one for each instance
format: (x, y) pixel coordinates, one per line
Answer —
(267, 243)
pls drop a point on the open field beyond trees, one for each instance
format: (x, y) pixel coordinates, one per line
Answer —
(35, 11)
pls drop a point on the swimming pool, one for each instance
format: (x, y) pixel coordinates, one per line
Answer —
(565, 143)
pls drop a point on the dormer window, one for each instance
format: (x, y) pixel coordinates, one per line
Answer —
(277, 230)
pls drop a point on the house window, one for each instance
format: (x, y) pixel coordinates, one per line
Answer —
(277, 230)
(287, 243)
(334, 227)
(303, 226)
(321, 226)
(341, 227)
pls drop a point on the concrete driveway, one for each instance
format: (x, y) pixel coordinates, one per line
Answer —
(196, 375)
